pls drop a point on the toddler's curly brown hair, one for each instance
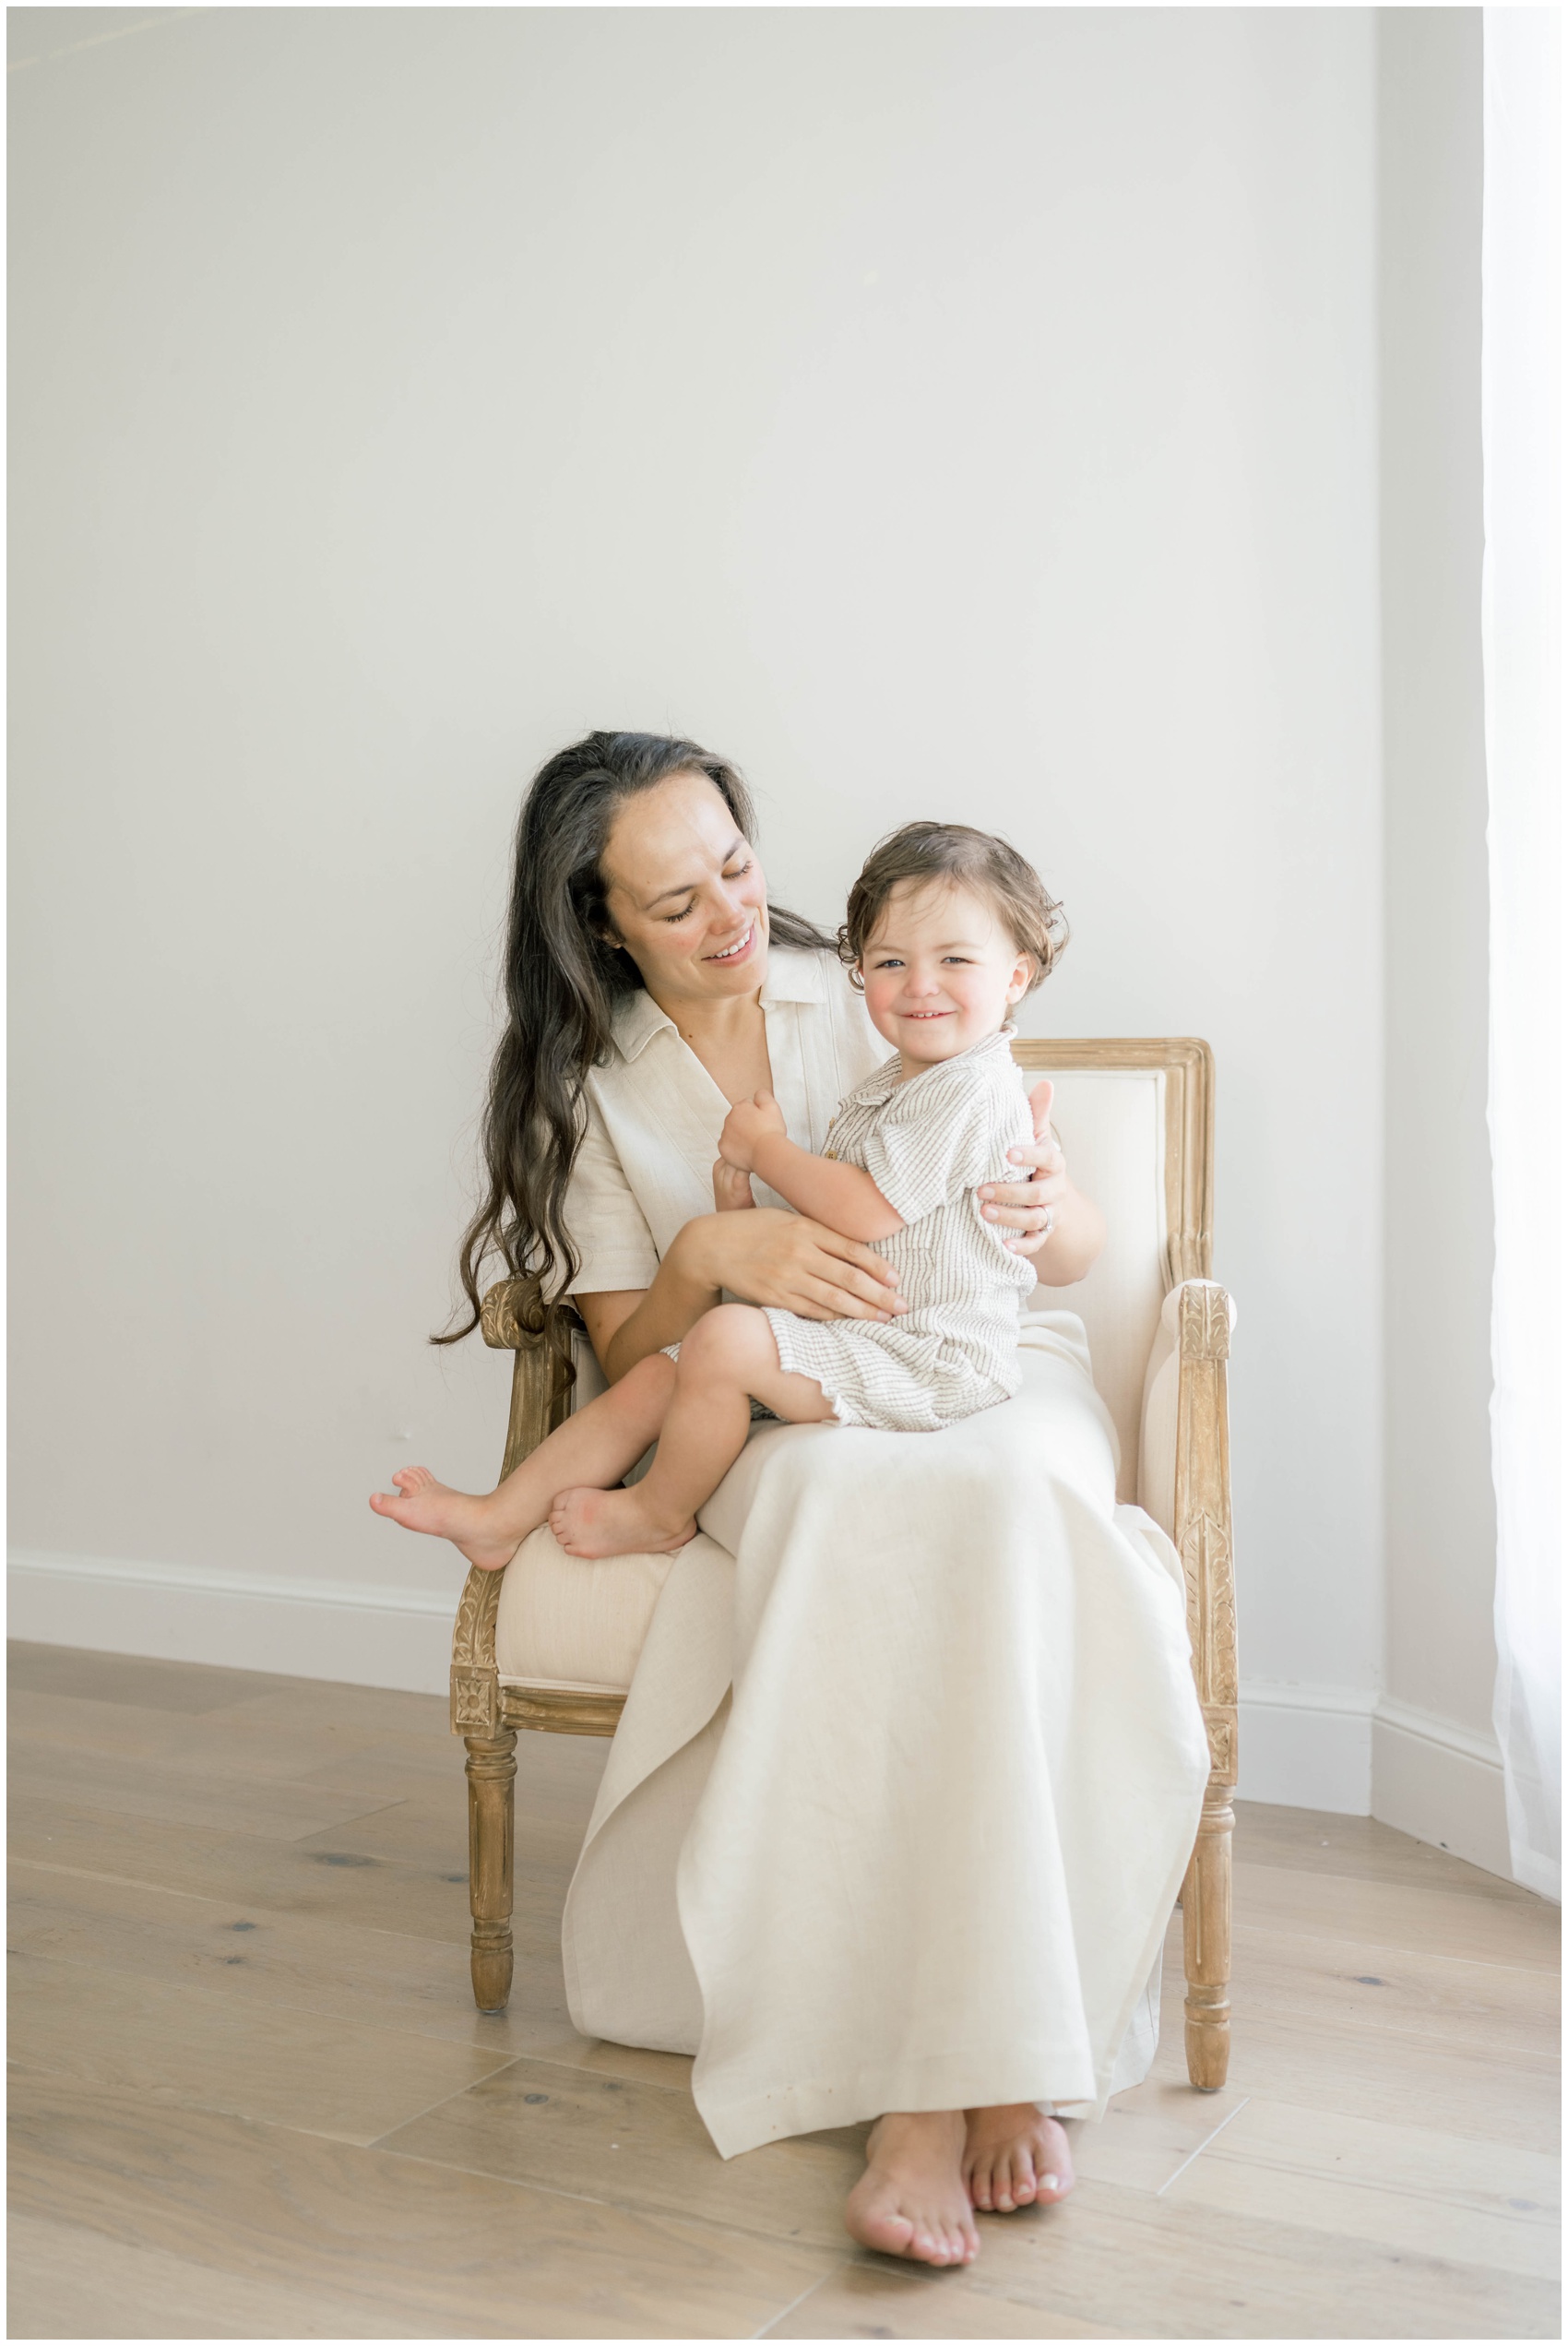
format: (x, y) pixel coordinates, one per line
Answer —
(921, 852)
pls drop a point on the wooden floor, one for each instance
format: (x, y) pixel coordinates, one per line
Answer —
(251, 2097)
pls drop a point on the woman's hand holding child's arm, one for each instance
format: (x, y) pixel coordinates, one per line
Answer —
(1060, 1229)
(847, 1200)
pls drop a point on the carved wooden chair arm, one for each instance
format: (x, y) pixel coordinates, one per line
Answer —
(510, 1321)
(1202, 1537)
(1203, 1509)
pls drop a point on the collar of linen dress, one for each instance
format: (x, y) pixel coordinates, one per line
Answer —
(697, 1108)
(792, 977)
(655, 1112)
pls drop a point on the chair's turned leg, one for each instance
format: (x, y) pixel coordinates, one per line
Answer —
(1205, 1934)
(492, 1771)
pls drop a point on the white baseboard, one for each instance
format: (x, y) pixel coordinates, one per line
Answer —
(1360, 1754)
(1307, 1747)
(1440, 1782)
(1353, 1752)
(360, 1635)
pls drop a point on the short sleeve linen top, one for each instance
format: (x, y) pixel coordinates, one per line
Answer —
(645, 1168)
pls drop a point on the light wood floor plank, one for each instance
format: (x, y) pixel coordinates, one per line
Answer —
(344, 1885)
(1147, 2135)
(1317, 1842)
(1165, 2265)
(1408, 2080)
(223, 1742)
(429, 1826)
(876, 2299)
(128, 1679)
(375, 1710)
(66, 2281)
(461, 2254)
(1406, 2187)
(1357, 1989)
(1399, 1916)
(638, 2146)
(384, 1980)
(276, 1809)
(185, 2045)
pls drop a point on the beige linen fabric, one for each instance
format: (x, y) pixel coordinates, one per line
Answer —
(911, 1763)
(927, 1860)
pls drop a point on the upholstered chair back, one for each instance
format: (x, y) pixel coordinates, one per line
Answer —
(1134, 1120)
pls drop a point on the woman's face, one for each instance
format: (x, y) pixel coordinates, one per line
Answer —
(685, 893)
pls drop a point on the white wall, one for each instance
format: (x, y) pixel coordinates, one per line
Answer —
(942, 411)
(1436, 1770)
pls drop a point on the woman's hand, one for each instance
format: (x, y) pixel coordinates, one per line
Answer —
(1031, 1204)
(765, 1256)
(770, 1257)
(1057, 1227)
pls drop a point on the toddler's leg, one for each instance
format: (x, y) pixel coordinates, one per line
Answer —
(597, 1444)
(728, 1356)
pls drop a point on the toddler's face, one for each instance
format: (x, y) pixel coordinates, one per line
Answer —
(940, 971)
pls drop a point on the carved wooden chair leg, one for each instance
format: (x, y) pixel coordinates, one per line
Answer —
(492, 1771)
(1205, 1934)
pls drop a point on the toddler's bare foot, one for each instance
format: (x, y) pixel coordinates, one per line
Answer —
(425, 1505)
(1014, 2157)
(614, 1523)
(912, 2200)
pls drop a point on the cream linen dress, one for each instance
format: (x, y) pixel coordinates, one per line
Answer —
(911, 1763)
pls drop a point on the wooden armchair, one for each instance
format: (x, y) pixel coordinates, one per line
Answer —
(1138, 1121)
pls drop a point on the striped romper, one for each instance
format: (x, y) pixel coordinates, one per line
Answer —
(927, 1144)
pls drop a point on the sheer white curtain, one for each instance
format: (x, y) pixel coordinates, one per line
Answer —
(1521, 625)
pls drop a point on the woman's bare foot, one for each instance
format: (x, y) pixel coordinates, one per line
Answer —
(425, 1505)
(614, 1523)
(912, 2200)
(1014, 2157)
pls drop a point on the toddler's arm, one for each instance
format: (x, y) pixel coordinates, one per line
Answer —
(842, 1196)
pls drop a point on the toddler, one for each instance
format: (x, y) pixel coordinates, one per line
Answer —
(946, 929)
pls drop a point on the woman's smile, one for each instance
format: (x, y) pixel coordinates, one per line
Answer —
(735, 952)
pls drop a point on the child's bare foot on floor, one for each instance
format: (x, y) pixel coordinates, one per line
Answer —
(1012, 2157)
(912, 2201)
(614, 1523)
(425, 1505)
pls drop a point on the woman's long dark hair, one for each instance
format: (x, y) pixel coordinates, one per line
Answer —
(563, 980)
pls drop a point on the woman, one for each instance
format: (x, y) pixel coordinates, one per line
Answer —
(852, 1844)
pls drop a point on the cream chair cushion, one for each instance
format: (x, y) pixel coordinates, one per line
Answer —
(580, 1626)
(1111, 1126)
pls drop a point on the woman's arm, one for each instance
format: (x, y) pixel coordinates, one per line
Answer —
(765, 1256)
